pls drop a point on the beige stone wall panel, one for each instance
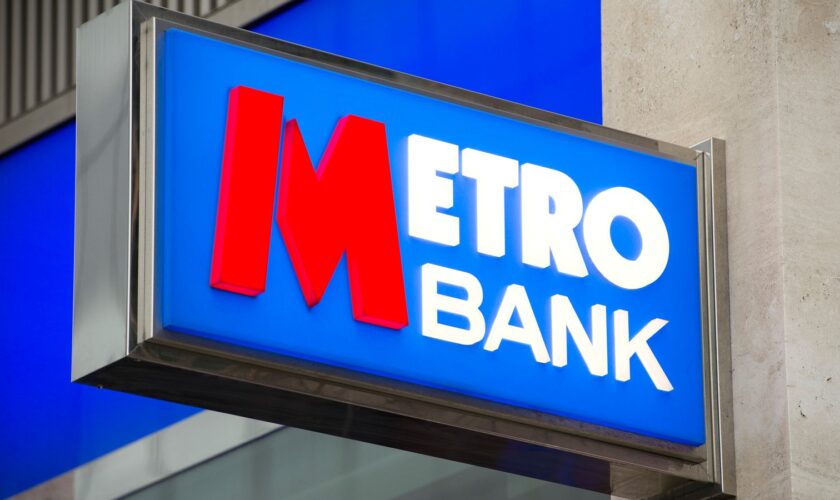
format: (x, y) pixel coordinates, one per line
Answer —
(681, 72)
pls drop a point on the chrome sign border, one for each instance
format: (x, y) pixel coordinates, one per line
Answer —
(118, 341)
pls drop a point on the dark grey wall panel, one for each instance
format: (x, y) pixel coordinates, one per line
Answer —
(37, 47)
(37, 55)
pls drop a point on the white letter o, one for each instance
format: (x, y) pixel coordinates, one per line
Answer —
(651, 262)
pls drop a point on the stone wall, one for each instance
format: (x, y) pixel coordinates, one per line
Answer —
(765, 76)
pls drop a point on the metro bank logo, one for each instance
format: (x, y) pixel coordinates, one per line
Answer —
(321, 216)
(346, 207)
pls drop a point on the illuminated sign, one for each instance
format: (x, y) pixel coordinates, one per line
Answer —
(478, 254)
(272, 231)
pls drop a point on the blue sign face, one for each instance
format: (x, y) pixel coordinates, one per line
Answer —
(437, 244)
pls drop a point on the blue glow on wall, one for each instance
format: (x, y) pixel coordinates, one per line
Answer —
(542, 53)
(49, 425)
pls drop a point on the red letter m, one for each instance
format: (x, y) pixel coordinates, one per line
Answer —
(345, 208)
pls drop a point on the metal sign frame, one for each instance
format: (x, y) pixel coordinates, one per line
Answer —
(118, 341)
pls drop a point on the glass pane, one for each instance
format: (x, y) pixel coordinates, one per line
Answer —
(299, 465)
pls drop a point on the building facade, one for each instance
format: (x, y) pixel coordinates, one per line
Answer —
(760, 75)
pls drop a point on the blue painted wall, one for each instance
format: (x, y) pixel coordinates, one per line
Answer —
(47, 424)
(541, 53)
